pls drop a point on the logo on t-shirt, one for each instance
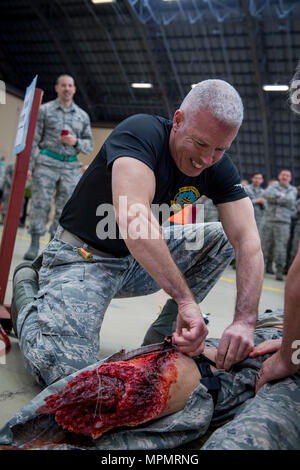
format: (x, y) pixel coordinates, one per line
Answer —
(186, 195)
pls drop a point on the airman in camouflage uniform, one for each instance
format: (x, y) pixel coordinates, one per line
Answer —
(280, 208)
(268, 420)
(56, 167)
(7, 181)
(256, 193)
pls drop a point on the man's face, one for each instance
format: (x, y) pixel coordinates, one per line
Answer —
(284, 177)
(65, 89)
(257, 180)
(198, 141)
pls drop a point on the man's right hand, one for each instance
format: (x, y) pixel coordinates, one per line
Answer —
(274, 368)
(191, 330)
(266, 347)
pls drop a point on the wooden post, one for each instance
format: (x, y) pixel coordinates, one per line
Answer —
(15, 204)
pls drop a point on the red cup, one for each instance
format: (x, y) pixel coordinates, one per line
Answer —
(64, 132)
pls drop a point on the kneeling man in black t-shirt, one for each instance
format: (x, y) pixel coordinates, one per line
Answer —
(114, 238)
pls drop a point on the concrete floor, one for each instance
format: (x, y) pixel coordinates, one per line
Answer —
(124, 326)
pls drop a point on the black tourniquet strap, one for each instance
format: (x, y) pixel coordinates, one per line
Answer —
(211, 381)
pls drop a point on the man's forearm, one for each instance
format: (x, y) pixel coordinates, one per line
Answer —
(249, 278)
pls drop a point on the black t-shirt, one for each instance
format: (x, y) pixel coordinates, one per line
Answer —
(146, 138)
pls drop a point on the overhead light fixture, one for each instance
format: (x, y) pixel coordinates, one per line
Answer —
(97, 2)
(275, 87)
(141, 85)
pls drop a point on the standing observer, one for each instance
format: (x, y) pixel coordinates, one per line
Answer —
(63, 131)
(281, 201)
(256, 193)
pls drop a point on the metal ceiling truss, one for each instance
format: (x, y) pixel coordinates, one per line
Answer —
(55, 36)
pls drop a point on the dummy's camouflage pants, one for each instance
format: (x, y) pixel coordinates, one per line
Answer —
(275, 234)
(269, 420)
(59, 331)
(51, 177)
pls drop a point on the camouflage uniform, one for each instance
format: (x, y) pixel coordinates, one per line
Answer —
(255, 193)
(277, 224)
(50, 174)
(9, 171)
(8, 176)
(268, 420)
(59, 331)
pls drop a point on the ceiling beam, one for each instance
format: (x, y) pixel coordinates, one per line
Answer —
(7, 68)
(96, 18)
(172, 62)
(37, 9)
(141, 31)
(259, 84)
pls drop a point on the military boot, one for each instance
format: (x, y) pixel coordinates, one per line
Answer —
(32, 253)
(25, 287)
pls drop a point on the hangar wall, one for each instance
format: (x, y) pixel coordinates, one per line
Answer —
(9, 117)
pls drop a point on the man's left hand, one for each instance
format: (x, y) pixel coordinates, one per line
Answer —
(235, 344)
(68, 139)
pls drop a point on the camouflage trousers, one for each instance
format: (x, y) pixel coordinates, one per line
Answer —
(58, 179)
(59, 330)
(240, 420)
(275, 235)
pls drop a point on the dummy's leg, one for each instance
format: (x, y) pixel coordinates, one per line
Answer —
(124, 393)
(59, 330)
(43, 186)
(270, 421)
(202, 254)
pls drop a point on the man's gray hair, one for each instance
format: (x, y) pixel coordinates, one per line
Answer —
(217, 96)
